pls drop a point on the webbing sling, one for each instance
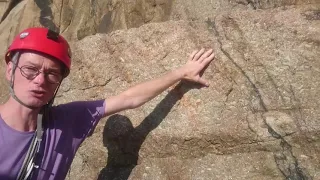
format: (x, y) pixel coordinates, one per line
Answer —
(29, 165)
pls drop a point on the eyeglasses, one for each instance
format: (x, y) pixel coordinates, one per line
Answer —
(31, 72)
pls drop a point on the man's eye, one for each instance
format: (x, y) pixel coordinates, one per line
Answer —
(29, 69)
(52, 73)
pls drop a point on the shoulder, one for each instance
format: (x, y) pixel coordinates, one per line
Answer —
(77, 106)
(79, 117)
(79, 110)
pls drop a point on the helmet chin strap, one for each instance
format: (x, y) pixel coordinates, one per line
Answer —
(19, 101)
(15, 61)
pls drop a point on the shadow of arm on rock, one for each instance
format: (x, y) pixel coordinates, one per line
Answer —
(123, 141)
(162, 109)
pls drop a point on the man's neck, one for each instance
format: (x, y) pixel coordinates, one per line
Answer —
(18, 116)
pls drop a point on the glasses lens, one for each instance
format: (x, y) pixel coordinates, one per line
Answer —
(29, 72)
(54, 78)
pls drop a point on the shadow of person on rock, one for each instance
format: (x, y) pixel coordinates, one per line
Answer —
(123, 141)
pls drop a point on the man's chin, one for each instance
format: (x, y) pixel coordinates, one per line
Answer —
(36, 103)
(32, 102)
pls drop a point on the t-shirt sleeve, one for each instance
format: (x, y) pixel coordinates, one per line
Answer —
(80, 117)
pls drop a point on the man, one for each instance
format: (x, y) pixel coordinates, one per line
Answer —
(38, 140)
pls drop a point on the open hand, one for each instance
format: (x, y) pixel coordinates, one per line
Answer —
(197, 61)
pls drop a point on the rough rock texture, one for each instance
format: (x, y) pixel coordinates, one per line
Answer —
(73, 19)
(3, 7)
(260, 111)
(77, 19)
(259, 119)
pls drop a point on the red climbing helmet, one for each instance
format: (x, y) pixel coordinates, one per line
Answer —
(44, 41)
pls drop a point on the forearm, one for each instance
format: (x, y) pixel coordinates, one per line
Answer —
(144, 92)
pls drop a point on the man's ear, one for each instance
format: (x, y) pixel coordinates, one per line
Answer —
(9, 70)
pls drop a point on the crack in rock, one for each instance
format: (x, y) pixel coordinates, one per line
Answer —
(285, 160)
(12, 4)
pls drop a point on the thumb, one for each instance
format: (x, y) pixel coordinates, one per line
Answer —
(203, 82)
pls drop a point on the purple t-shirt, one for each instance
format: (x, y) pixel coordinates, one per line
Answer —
(67, 127)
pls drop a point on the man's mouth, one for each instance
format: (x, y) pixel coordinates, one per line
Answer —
(38, 93)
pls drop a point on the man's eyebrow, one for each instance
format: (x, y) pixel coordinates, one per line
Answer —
(30, 62)
(53, 69)
(37, 65)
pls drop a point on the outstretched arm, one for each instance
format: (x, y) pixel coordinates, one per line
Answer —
(144, 92)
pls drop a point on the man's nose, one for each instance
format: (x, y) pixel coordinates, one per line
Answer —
(40, 78)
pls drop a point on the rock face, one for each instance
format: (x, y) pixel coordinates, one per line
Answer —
(259, 119)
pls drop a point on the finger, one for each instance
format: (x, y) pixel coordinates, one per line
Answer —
(203, 82)
(192, 55)
(206, 54)
(208, 59)
(198, 54)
